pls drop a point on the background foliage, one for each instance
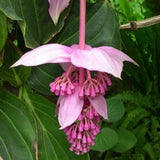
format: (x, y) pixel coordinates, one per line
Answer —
(27, 123)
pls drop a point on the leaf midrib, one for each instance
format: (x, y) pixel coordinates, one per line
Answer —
(5, 148)
(50, 132)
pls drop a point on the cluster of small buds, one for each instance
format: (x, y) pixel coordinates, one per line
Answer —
(62, 86)
(82, 133)
(91, 87)
(95, 86)
(103, 79)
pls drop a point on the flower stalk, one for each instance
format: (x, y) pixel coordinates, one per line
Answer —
(82, 24)
(82, 33)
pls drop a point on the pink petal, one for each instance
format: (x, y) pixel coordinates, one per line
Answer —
(49, 53)
(101, 59)
(117, 54)
(73, 47)
(56, 7)
(70, 108)
(100, 105)
(65, 66)
(60, 100)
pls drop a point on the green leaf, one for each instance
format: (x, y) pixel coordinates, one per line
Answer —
(126, 140)
(34, 20)
(102, 26)
(115, 108)
(105, 140)
(3, 30)
(52, 143)
(17, 130)
(125, 6)
(149, 149)
(42, 76)
(15, 76)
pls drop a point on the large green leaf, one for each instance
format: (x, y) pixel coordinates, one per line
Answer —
(105, 140)
(115, 109)
(102, 26)
(3, 30)
(52, 143)
(17, 132)
(126, 140)
(33, 18)
(15, 76)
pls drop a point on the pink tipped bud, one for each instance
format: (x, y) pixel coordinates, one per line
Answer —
(78, 145)
(93, 93)
(71, 86)
(86, 125)
(81, 93)
(57, 92)
(97, 89)
(85, 150)
(92, 125)
(68, 132)
(89, 140)
(74, 144)
(80, 117)
(87, 91)
(102, 90)
(71, 148)
(84, 140)
(63, 87)
(79, 136)
(74, 133)
(92, 143)
(81, 127)
(69, 91)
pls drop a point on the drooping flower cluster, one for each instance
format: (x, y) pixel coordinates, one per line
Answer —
(81, 102)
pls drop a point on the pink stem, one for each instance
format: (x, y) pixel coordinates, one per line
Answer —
(82, 24)
(82, 31)
(88, 75)
(69, 70)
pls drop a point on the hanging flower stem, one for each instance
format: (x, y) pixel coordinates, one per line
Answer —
(82, 24)
(82, 30)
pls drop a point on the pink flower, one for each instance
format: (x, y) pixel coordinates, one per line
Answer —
(56, 7)
(81, 103)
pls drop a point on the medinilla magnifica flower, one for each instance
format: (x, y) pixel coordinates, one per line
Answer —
(81, 102)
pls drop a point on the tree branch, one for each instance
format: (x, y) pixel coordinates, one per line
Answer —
(15, 47)
(134, 25)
